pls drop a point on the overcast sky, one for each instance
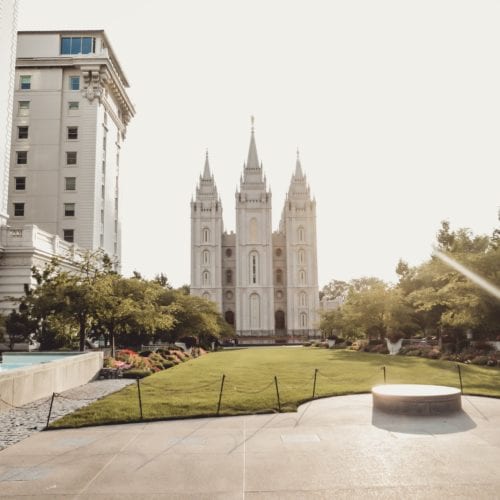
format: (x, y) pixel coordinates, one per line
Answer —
(394, 105)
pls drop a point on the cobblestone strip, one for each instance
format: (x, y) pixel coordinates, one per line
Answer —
(17, 424)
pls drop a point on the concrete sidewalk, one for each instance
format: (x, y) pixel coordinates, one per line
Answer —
(330, 448)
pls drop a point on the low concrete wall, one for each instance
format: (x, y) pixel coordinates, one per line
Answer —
(23, 385)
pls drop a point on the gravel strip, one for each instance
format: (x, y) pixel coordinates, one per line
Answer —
(17, 424)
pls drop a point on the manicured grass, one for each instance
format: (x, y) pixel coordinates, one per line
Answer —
(192, 388)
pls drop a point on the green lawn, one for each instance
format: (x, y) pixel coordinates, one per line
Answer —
(192, 388)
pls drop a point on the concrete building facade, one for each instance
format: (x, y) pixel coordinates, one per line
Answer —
(265, 283)
(70, 115)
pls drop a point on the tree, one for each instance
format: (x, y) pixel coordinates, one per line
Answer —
(334, 289)
(18, 327)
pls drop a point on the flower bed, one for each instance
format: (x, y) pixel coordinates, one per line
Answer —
(134, 364)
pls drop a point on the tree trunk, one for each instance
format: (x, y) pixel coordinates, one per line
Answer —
(112, 335)
(82, 335)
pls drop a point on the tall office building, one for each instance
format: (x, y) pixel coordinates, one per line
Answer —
(70, 115)
(265, 283)
(8, 18)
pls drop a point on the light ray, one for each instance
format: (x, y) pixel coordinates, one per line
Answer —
(475, 278)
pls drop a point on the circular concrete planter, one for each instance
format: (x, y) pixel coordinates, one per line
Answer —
(414, 399)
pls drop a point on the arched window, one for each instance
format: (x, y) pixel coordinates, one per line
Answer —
(205, 235)
(302, 277)
(279, 276)
(206, 296)
(303, 320)
(229, 277)
(254, 268)
(205, 277)
(254, 311)
(206, 257)
(229, 317)
(301, 233)
(302, 299)
(302, 256)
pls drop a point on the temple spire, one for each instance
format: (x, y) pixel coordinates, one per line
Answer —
(253, 159)
(206, 170)
(298, 166)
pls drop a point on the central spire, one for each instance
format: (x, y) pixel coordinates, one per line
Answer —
(253, 159)
(298, 167)
(206, 170)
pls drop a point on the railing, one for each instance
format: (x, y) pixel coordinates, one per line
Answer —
(31, 236)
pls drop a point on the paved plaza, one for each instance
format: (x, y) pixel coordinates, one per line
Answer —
(331, 448)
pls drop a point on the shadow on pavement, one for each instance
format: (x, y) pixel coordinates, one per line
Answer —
(406, 424)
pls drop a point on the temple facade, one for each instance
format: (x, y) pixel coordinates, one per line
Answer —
(264, 282)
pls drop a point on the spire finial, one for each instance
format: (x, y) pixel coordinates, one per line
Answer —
(252, 121)
(206, 169)
(298, 166)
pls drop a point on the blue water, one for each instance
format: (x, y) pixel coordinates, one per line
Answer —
(21, 360)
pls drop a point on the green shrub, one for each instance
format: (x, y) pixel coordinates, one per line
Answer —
(307, 344)
(480, 360)
(414, 352)
(136, 373)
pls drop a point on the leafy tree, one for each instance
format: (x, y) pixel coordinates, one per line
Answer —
(334, 289)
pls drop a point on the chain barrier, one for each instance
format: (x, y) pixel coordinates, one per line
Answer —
(27, 406)
(253, 392)
(205, 386)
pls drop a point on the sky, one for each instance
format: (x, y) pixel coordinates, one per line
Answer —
(394, 106)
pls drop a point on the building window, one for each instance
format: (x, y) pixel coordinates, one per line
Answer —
(229, 252)
(73, 105)
(22, 132)
(303, 320)
(69, 235)
(229, 277)
(70, 183)
(302, 299)
(278, 252)
(300, 233)
(279, 276)
(206, 296)
(254, 312)
(103, 191)
(24, 108)
(74, 83)
(301, 256)
(71, 157)
(69, 209)
(72, 132)
(77, 45)
(302, 277)
(229, 295)
(25, 82)
(206, 257)
(254, 267)
(20, 183)
(21, 157)
(205, 237)
(18, 209)
(206, 278)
